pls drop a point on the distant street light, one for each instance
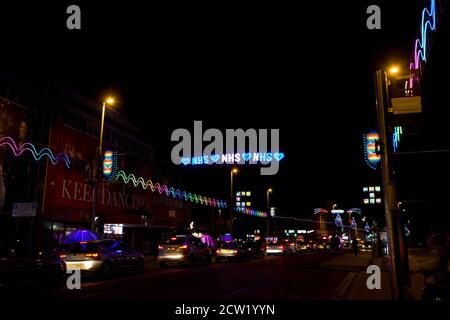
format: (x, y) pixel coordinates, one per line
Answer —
(268, 209)
(98, 155)
(233, 171)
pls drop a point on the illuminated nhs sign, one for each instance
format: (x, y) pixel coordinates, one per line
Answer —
(236, 146)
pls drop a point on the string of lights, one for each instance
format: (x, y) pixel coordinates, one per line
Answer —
(251, 212)
(37, 155)
(169, 191)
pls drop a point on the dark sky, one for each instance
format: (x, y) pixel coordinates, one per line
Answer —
(306, 69)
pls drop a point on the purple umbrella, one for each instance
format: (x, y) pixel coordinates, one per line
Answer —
(80, 235)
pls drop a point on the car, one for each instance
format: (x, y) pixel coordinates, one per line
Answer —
(301, 246)
(256, 249)
(276, 248)
(311, 246)
(184, 249)
(101, 257)
(232, 251)
(291, 247)
(366, 246)
(23, 264)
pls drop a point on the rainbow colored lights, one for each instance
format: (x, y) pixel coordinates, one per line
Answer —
(251, 212)
(170, 191)
(109, 165)
(37, 155)
(372, 149)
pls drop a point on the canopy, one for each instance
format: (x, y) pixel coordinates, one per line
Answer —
(80, 235)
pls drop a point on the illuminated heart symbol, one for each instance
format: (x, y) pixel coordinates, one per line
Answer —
(215, 157)
(185, 161)
(278, 156)
(246, 156)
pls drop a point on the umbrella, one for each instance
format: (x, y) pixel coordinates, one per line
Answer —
(80, 235)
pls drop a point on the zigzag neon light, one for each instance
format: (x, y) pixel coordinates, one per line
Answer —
(421, 47)
(37, 155)
(252, 212)
(174, 193)
(429, 23)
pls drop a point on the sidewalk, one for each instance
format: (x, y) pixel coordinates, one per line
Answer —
(350, 262)
(354, 286)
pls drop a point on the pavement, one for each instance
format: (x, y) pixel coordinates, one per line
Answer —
(354, 287)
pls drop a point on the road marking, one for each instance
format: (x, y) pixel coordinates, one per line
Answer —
(341, 290)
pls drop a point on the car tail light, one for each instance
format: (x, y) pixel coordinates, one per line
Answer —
(62, 256)
(183, 247)
(280, 247)
(160, 247)
(234, 251)
(91, 255)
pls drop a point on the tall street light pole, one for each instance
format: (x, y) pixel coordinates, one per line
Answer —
(390, 199)
(268, 211)
(233, 171)
(96, 168)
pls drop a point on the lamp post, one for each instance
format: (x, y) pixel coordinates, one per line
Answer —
(268, 210)
(233, 171)
(390, 202)
(98, 155)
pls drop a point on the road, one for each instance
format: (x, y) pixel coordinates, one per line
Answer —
(274, 277)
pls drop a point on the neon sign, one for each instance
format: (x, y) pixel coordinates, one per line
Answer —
(320, 210)
(170, 191)
(109, 165)
(355, 210)
(234, 158)
(421, 46)
(338, 220)
(37, 155)
(372, 149)
(396, 135)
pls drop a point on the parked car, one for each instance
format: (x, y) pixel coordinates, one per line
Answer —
(276, 248)
(232, 251)
(256, 249)
(184, 249)
(101, 257)
(22, 264)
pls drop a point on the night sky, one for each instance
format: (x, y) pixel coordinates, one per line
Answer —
(307, 70)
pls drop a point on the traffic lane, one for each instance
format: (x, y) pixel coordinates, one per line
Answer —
(257, 279)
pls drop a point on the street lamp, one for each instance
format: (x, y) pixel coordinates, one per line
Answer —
(107, 102)
(233, 171)
(268, 210)
(395, 242)
(394, 70)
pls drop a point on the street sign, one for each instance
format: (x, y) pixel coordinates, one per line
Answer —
(406, 76)
(26, 209)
